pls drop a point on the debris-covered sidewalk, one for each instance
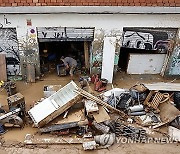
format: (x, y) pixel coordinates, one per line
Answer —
(97, 118)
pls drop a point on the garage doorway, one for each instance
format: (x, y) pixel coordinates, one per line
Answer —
(145, 50)
(55, 42)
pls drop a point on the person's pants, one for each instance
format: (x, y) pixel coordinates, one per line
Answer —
(72, 69)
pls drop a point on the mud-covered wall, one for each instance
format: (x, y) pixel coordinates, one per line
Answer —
(105, 25)
(97, 48)
(28, 49)
(174, 62)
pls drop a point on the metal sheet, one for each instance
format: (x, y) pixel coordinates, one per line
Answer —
(145, 63)
(48, 34)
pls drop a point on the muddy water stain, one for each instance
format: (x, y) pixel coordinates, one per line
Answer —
(18, 134)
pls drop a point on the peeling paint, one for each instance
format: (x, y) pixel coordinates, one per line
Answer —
(29, 51)
(97, 48)
(175, 62)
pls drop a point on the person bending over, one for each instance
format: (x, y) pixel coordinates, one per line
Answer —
(70, 64)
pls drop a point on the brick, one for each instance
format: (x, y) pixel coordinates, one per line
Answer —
(172, 4)
(11, 1)
(79, 3)
(20, 4)
(29, 1)
(85, 3)
(14, 4)
(154, 5)
(137, 4)
(23, 1)
(73, 4)
(136, 1)
(125, 4)
(91, 4)
(35, 1)
(148, 4)
(32, 4)
(43, 4)
(67, 4)
(178, 5)
(26, 4)
(171, 1)
(38, 4)
(160, 4)
(166, 4)
(143, 4)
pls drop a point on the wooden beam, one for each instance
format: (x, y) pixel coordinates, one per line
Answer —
(86, 54)
(3, 71)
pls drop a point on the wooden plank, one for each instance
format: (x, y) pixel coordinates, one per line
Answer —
(86, 55)
(48, 140)
(3, 71)
(101, 116)
(163, 86)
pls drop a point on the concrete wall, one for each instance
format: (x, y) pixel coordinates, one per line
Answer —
(105, 25)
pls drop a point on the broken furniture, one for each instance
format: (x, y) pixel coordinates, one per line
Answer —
(153, 100)
(64, 126)
(98, 101)
(17, 101)
(10, 88)
(53, 106)
(11, 118)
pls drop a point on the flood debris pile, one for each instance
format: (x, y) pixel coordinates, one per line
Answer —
(15, 115)
(71, 114)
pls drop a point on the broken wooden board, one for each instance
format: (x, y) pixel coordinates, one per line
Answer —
(74, 115)
(42, 140)
(168, 113)
(3, 71)
(91, 106)
(101, 116)
(161, 86)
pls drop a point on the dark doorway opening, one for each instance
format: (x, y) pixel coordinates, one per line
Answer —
(51, 52)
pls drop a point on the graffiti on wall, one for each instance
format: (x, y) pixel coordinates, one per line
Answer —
(9, 46)
(148, 40)
(66, 33)
(175, 62)
(29, 51)
(5, 22)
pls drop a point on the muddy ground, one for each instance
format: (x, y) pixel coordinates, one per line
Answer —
(13, 139)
